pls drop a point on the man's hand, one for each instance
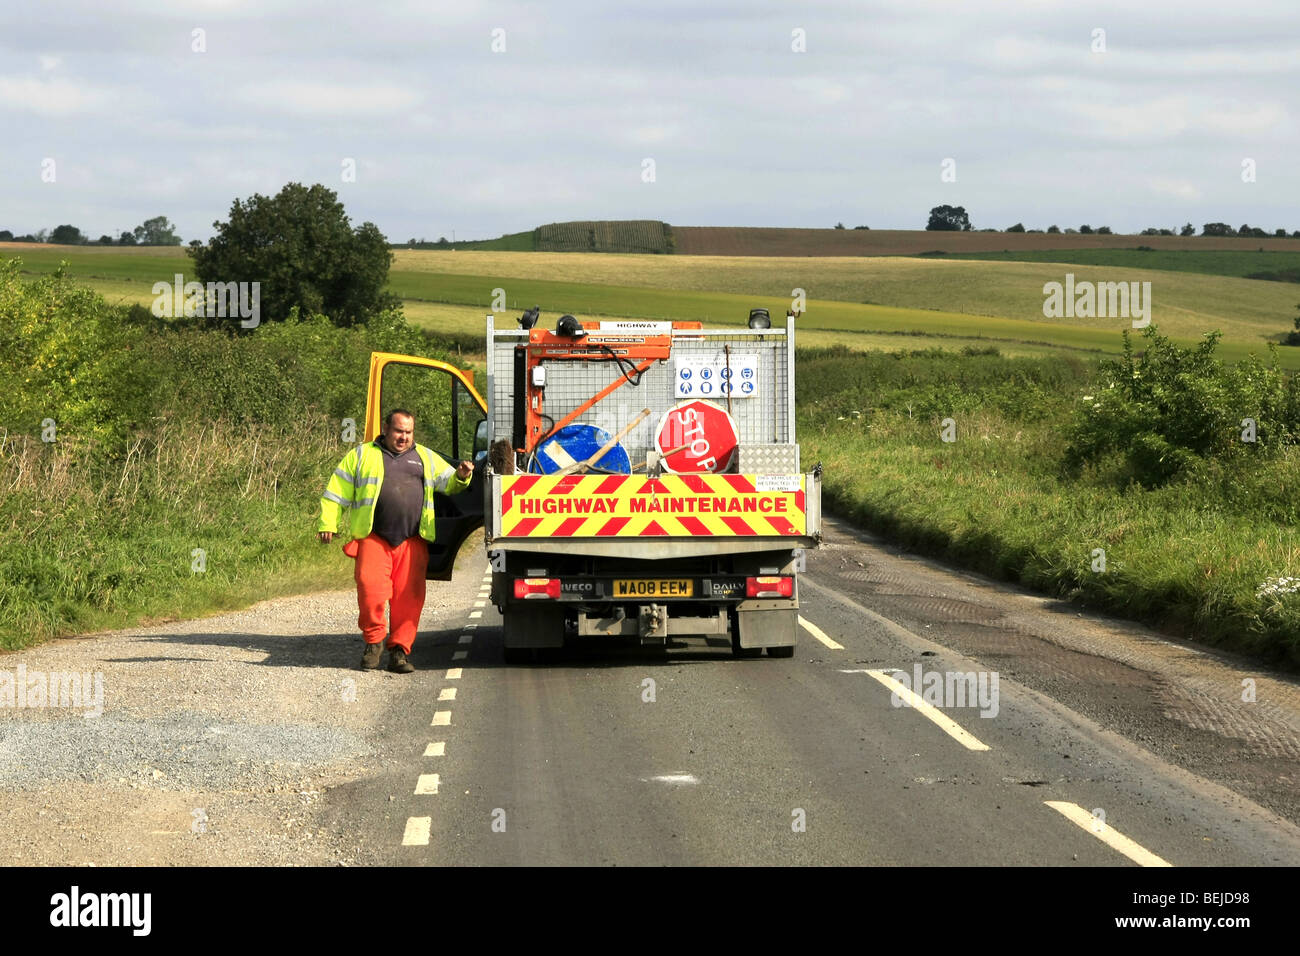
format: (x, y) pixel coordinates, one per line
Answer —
(324, 537)
(464, 470)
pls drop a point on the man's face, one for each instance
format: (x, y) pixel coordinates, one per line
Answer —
(399, 433)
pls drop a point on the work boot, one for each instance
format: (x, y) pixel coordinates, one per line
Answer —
(397, 662)
(370, 659)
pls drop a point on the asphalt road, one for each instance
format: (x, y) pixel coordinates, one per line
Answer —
(1109, 745)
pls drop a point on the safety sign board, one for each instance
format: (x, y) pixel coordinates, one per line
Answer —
(719, 376)
(623, 506)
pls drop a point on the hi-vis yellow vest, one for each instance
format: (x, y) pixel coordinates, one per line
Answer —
(356, 482)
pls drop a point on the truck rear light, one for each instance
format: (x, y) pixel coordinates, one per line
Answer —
(529, 588)
(769, 587)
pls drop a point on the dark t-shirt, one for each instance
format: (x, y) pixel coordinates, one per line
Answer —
(401, 496)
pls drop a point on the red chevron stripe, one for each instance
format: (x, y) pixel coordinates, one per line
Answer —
(612, 527)
(524, 527)
(653, 528)
(694, 526)
(610, 485)
(782, 525)
(798, 500)
(738, 525)
(569, 527)
(741, 483)
(566, 484)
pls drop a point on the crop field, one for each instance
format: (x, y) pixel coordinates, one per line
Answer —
(739, 241)
(630, 235)
(880, 302)
(1276, 265)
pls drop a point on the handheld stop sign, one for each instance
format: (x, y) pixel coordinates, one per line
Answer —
(708, 433)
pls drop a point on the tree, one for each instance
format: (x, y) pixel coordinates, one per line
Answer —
(839, 225)
(1054, 229)
(1187, 230)
(1293, 338)
(41, 235)
(156, 232)
(1217, 229)
(67, 236)
(126, 239)
(105, 240)
(866, 228)
(949, 219)
(1103, 230)
(1280, 233)
(6, 235)
(301, 248)
(1018, 227)
(1085, 230)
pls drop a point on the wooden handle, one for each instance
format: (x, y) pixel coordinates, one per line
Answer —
(672, 451)
(582, 466)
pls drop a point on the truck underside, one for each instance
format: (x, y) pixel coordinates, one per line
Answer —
(749, 597)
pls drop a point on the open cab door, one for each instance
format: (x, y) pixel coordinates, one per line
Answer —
(451, 419)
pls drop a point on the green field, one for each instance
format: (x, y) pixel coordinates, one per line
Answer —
(861, 302)
(1283, 266)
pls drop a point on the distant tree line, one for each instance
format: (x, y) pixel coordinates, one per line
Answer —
(152, 232)
(956, 219)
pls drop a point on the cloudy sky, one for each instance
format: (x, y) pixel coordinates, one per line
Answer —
(143, 116)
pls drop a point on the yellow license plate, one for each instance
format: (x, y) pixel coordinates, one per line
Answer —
(654, 588)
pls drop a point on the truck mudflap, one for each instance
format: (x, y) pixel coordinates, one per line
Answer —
(536, 507)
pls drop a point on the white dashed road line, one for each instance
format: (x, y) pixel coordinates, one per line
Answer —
(436, 749)
(417, 831)
(475, 613)
(453, 673)
(460, 655)
(818, 633)
(441, 718)
(1106, 833)
(447, 693)
(929, 711)
(426, 784)
(465, 638)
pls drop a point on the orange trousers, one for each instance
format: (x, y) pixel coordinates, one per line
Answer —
(393, 576)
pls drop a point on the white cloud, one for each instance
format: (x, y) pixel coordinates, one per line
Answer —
(1178, 188)
(49, 97)
(315, 98)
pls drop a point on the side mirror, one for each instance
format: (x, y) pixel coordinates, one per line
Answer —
(481, 440)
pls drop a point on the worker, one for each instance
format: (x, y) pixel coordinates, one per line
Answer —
(388, 485)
